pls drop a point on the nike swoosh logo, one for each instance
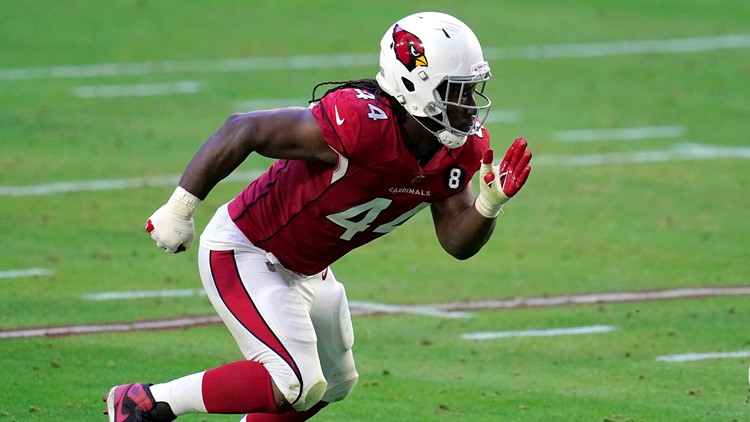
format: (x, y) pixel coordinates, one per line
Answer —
(339, 120)
(119, 415)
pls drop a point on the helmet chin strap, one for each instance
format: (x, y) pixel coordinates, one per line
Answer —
(445, 136)
(450, 139)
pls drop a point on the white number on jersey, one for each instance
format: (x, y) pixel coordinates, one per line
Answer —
(376, 113)
(454, 179)
(387, 227)
(372, 210)
(364, 95)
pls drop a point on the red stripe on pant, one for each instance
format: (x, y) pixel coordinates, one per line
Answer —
(238, 387)
(229, 284)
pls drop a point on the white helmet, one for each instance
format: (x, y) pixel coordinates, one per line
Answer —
(422, 51)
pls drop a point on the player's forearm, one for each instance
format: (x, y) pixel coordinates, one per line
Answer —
(466, 233)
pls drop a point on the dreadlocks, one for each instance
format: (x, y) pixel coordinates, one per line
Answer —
(368, 84)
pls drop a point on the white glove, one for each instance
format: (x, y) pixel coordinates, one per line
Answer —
(172, 226)
(498, 184)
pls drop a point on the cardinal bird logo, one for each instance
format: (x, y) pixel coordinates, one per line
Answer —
(408, 48)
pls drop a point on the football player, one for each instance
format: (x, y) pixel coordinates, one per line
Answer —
(360, 161)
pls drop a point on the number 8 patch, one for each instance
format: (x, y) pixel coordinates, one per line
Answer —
(454, 177)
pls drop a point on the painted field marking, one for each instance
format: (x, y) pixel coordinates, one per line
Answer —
(137, 90)
(596, 298)
(240, 64)
(622, 48)
(549, 332)
(245, 64)
(70, 330)
(441, 309)
(626, 134)
(692, 357)
(503, 116)
(678, 152)
(29, 272)
(112, 184)
(369, 309)
(143, 294)
(356, 307)
(372, 308)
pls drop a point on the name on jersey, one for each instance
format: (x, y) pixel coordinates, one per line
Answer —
(409, 191)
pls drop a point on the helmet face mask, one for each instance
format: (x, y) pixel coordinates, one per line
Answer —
(464, 107)
(433, 65)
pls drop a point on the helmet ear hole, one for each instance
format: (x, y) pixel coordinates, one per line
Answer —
(442, 90)
(409, 85)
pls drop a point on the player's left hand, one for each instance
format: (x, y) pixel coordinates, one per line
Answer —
(498, 184)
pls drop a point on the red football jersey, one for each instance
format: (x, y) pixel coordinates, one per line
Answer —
(309, 213)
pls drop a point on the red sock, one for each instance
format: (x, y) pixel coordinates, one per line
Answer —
(239, 387)
(286, 416)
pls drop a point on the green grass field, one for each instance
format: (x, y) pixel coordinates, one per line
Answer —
(618, 215)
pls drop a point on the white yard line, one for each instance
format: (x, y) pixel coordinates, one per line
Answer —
(677, 152)
(29, 272)
(143, 294)
(246, 64)
(595, 298)
(137, 90)
(441, 309)
(621, 48)
(373, 308)
(111, 184)
(548, 332)
(357, 307)
(453, 309)
(241, 64)
(164, 324)
(692, 357)
(618, 134)
(503, 116)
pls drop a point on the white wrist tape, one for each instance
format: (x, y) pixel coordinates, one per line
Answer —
(489, 209)
(183, 203)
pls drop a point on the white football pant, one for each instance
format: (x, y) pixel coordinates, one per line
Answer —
(297, 326)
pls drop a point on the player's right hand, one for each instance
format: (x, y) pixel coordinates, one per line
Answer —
(172, 226)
